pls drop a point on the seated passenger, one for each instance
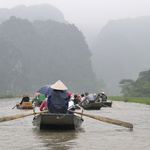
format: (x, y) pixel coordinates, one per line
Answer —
(25, 98)
(58, 100)
(103, 97)
(71, 105)
(90, 98)
(76, 99)
(41, 98)
(43, 106)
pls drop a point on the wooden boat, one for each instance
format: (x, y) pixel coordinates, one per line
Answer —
(92, 106)
(57, 121)
(25, 105)
(107, 104)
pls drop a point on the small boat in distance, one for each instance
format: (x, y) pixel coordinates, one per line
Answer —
(57, 121)
(24, 105)
(92, 106)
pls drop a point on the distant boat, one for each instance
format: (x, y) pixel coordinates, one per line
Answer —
(25, 105)
(92, 106)
(57, 121)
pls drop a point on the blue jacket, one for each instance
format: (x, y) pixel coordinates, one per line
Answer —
(57, 102)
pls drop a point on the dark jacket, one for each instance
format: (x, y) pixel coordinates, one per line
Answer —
(103, 97)
(24, 99)
(76, 101)
(58, 102)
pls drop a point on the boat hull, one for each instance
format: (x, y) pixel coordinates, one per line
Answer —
(92, 106)
(25, 105)
(21, 107)
(57, 121)
(107, 104)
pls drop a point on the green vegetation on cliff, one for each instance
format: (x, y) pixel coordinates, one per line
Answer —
(39, 53)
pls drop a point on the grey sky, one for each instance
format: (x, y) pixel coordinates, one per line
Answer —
(91, 15)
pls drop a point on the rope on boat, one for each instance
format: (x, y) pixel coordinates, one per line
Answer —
(61, 117)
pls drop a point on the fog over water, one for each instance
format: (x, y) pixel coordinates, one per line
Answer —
(123, 24)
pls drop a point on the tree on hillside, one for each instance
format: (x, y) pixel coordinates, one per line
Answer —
(138, 88)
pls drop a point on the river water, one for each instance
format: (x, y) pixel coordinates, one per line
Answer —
(20, 134)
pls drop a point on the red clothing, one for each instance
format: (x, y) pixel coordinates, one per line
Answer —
(44, 104)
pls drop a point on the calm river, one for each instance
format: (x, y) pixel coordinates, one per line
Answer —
(20, 134)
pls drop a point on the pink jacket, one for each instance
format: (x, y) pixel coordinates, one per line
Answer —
(44, 104)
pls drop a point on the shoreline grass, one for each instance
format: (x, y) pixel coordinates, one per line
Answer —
(143, 100)
(4, 96)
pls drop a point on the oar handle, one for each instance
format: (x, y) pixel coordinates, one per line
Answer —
(108, 120)
(20, 116)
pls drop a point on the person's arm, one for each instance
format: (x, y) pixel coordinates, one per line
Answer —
(42, 105)
(22, 101)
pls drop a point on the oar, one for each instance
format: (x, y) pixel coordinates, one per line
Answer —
(108, 120)
(7, 118)
(116, 104)
(14, 106)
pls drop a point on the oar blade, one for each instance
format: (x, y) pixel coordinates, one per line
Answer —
(14, 106)
(113, 121)
(117, 105)
(7, 118)
(108, 120)
(14, 117)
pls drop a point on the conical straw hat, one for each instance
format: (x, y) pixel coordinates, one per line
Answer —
(59, 86)
(102, 93)
(25, 95)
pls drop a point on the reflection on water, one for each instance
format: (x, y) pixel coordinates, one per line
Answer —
(56, 139)
(20, 134)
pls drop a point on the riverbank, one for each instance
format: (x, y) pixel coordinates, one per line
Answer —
(143, 100)
(3, 96)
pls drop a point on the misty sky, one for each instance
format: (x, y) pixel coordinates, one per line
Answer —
(91, 15)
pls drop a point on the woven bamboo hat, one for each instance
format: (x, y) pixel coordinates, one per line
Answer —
(59, 86)
(102, 93)
(25, 95)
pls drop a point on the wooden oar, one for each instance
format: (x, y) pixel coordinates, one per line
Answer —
(14, 106)
(108, 120)
(7, 118)
(116, 104)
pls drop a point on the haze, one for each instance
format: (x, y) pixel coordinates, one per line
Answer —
(90, 15)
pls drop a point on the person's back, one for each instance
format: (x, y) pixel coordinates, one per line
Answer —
(57, 102)
(90, 98)
(103, 97)
(25, 98)
(76, 100)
